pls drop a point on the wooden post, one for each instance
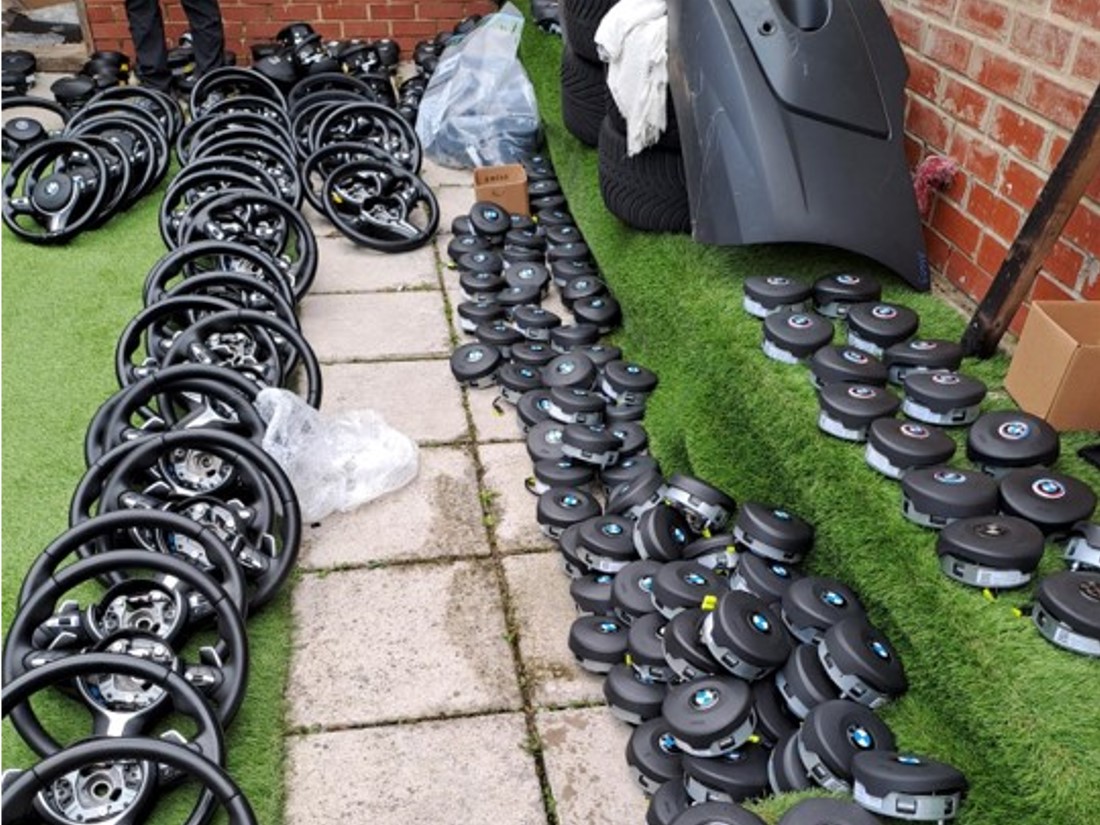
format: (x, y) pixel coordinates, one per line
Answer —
(1078, 167)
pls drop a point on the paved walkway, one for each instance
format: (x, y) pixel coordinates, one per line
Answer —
(431, 679)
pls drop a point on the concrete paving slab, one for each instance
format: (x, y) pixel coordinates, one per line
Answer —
(453, 201)
(419, 398)
(437, 515)
(437, 175)
(506, 468)
(375, 326)
(459, 770)
(345, 267)
(544, 611)
(586, 769)
(492, 425)
(399, 643)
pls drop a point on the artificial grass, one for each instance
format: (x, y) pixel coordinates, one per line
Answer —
(63, 308)
(987, 693)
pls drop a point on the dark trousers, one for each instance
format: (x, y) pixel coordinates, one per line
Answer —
(147, 30)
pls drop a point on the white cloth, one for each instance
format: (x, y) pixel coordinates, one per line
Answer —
(633, 40)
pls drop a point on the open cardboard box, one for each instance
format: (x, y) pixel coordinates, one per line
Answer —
(503, 185)
(1055, 372)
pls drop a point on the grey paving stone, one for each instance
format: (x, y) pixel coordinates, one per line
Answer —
(438, 514)
(453, 201)
(544, 611)
(490, 423)
(419, 398)
(399, 643)
(586, 768)
(506, 468)
(460, 770)
(436, 175)
(375, 326)
(345, 267)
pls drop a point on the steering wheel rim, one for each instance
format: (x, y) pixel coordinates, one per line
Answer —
(111, 426)
(20, 795)
(233, 79)
(177, 262)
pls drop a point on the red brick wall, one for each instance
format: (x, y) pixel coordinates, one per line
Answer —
(999, 86)
(249, 21)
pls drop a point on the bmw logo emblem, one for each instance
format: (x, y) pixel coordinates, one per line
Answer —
(847, 280)
(923, 346)
(609, 627)
(781, 571)
(760, 623)
(884, 312)
(778, 280)
(834, 599)
(645, 583)
(908, 760)
(668, 744)
(1048, 488)
(581, 283)
(543, 404)
(526, 272)
(782, 515)
(854, 356)
(553, 437)
(679, 536)
(859, 737)
(945, 379)
(633, 369)
(52, 187)
(914, 431)
(604, 578)
(491, 214)
(879, 649)
(704, 699)
(695, 580)
(990, 530)
(566, 367)
(475, 355)
(800, 321)
(527, 372)
(735, 756)
(570, 501)
(949, 477)
(862, 393)
(1014, 430)
(612, 530)
(597, 303)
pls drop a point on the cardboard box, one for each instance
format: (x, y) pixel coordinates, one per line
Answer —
(1055, 372)
(504, 185)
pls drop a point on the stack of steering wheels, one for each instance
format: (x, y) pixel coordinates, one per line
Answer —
(182, 526)
(73, 170)
(250, 155)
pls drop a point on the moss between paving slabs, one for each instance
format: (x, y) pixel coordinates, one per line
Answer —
(987, 692)
(63, 308)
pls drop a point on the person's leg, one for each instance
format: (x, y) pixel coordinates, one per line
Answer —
(147, 32)
(208, 36)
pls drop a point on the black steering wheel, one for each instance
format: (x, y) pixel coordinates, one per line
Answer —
(219, 482)
(54, 189)
(29, 795)
(381, 205)
(180, 397)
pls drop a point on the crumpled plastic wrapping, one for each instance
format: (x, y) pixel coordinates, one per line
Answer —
(479, 108)
(335, 462)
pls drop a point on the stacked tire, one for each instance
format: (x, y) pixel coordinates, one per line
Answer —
(584, 97)
(647, 191)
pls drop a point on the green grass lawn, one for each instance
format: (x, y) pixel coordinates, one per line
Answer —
(988, 694)
(63, 308)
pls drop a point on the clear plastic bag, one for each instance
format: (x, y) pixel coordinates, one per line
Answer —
(479, 108)
(335, 462)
